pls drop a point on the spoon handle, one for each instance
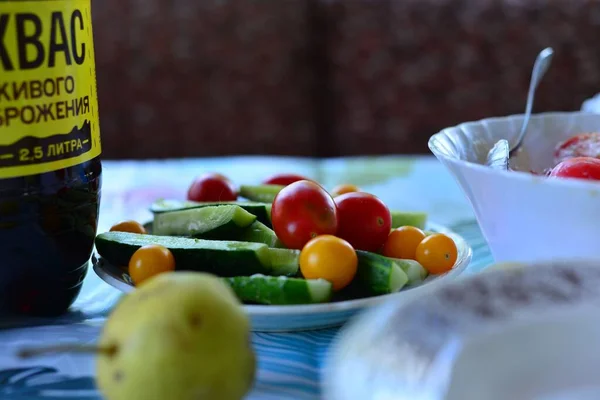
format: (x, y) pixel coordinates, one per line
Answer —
(542, 62)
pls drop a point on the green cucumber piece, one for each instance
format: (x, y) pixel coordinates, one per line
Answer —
(214, 222)
(408, 218)
(262, 193)
(280, 290)
(378, 275)
(223, 258)
(282, 259)
(259, 233)
(415, 272)
(261, 210)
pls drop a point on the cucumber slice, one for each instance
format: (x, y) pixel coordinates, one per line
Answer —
(261, 210)
(282, 259)
(378, 274)
(259, 233)
(214, 222)
(280, 290)
(263, 193)
(410, 218)
(413, 269)
(224, 258)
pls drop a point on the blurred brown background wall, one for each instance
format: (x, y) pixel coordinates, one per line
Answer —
(186, 78)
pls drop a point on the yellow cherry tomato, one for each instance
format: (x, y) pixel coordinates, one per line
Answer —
(150, 260)
(437, 253)
(343, 189)
(128, 226)
(331, 258)
(402, 242)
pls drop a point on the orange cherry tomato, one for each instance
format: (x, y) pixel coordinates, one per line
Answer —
(437, 253)
(149, 261)
(402, 242)
(128, 226)
(343, 189)
(331, 258)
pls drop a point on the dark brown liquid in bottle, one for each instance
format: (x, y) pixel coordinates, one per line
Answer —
(47, 229)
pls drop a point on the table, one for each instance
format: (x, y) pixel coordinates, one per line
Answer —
(289, 363)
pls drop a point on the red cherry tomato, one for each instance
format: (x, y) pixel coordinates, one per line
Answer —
(302, 211)
(582, 145)
(363, 220)
(220, 176)
(212, 187)
(578, 167)
(284, 179)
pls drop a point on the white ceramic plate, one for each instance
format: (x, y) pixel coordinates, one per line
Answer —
(314, 316)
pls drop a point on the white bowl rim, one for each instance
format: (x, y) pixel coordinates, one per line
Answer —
(518, 175)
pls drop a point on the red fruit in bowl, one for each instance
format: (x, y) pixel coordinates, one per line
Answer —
(582, 145)
(212, 187)
(284, 179)
(363, 220)
(578, 167)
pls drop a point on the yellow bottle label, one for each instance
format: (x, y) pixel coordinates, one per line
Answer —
(48, 98)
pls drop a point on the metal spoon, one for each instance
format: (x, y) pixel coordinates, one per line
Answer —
(499, 155)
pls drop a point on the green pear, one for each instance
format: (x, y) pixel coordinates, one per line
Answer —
(180, 335)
